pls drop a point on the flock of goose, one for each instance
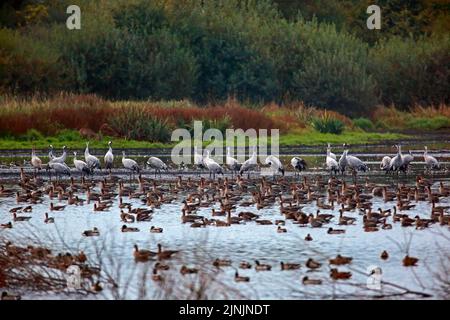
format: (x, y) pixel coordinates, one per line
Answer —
(233, 195)
(397, 163)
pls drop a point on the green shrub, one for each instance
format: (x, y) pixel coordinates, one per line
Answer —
(31, 135)
(328, 125)
(68, 135)
(411, 71)
(434, 123)
(364, 124)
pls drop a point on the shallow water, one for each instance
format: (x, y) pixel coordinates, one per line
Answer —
(200, 246)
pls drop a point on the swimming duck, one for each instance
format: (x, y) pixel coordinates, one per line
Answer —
(311, 264)
(335, 274)
(308, 237)
(335, 231)
(10, 297)
(21, 218)
(239, 278)
(384, 255)
(262, 267)
(245, 265)
(56, 208)
(96, 287)
(161, 266)
(125, 228)
(154, 229)
(340, 260)
(221, 262)
(263, 222)
(281, 230)
(91, 233)
(410, 261)
(48, 219)
(307, 281)
(314, 222)
(289, 266)
(155, 276)
(185, 270)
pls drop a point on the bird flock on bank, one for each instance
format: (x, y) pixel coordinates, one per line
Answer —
(346, 205)
(347, 162)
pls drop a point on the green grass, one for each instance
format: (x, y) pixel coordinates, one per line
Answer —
(307, 137)
(350, 137)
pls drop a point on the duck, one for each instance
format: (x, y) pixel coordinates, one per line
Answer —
(10, 297)
(125, 228)
(314, 222)
(155, 276)
(141, 255)
(281, 230)
(96, 287)
(263, 222)
(312, 264)
(307, 281)
(126, 217)
(91, 233)
(161, 266)
(221, 262)
(335, 231)
(239, 278)
(370, 229)
(154, 229)
(289, 266)
(48, 219)
(384, 255)
(262, 267)
(308, 237)
(340, 260)
(410, 261)
(245, 265)
(336, 275)
(185, 270)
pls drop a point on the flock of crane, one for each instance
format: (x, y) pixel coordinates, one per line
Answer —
(400, 162)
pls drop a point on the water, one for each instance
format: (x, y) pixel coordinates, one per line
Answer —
(200, 246)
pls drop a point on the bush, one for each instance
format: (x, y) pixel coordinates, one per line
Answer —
(31, 135)
(68, 135)
(363, 123)
(434, 123)
(412, 72)
(327, 124)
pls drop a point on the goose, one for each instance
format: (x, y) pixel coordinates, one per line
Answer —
(81, 165)
(231, 162)
(109, 158)
(308, 237)
(430, 162)
(331, 163)
(221, 262)
(212, 165)
(250, 164)
(161, 266)
(20, 219)
(6, 225)
(275, 164)
(92, 161)
(36, 162)
(385, 163)
(154, 229)
(281, 230)
(48, 219)
(157, 164)
(156, 276)
(239, 278)
(298, 164)
(166, 254)
(307, 281)
(142, 255)
(245, 265)
(186, 270)
(335, 231)
(56, 208)
(62, 158)
(130, 164)
(262, 267)
(332, 155)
